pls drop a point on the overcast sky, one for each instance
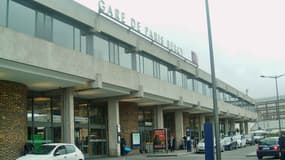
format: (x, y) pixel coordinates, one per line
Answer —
(248, 36)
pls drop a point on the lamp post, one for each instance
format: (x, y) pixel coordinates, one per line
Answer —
(213, 76)
(277, 97)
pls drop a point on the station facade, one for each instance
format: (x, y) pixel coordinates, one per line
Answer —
(69, 74)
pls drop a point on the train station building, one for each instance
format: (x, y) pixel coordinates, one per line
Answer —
(70, 74)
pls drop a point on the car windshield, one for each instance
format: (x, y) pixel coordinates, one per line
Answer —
(269, 141)
(44, 149)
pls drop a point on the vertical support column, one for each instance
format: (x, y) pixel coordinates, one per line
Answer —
(68, 116)
(227, 126)
(241, 127)
(179, 127)
(202, 122)
(113, 124)
(245, 127)
(158, 117)
(232, 125)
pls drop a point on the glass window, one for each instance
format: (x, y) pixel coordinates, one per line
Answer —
(184, 81)
(178, 78)
(83, 44)
(195, 84)
(113, 53)
(170, 77)
(76, 39)
(21, 18)
(199, 87)
(101, 48)
(163, 72)
(190, 84)
(125, 58)
(3, 12)
(43, 26)
(148, 66)
(69, 148)
(204, 91)
(62, 34)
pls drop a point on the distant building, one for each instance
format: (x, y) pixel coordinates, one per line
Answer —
(267, 115)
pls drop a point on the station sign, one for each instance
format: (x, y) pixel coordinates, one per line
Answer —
(136, 26)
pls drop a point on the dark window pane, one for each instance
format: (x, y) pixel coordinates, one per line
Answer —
(101, 48)
(48, 28)
(116, 54)
(76, 39)
(148, 66)
(163, 72)
(62, 34)
(21, 18)
(43, 26)
(113, 53)
(40, 25)
(3, 12)
(125, 58)
(83, 43)
(179, 79)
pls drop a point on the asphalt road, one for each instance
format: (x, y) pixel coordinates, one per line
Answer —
(247, 153)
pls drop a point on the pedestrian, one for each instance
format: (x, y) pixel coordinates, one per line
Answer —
(281, 142)
(172, 143)
(123, 145)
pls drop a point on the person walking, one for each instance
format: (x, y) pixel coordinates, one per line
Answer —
(281, 142)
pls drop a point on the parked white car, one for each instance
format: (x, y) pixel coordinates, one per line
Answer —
(54, 151)
(201, 146)
(240, 139)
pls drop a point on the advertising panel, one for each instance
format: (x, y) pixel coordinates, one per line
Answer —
(159, 139)
(136, 139)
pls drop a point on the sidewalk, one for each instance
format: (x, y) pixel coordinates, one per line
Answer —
(176, 153)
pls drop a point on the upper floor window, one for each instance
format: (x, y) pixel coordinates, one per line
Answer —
(3, 12)
(43, 26)
(125, 58)
(113, 52)
(148, 66)
(163, 72)
(21, 18)
(62, 34)
(178, 77)
(101, 48)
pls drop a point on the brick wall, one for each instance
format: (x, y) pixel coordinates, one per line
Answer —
(13, 121)
(128, 122)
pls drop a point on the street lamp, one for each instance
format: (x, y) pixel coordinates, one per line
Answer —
(214, 84)
(277, 96)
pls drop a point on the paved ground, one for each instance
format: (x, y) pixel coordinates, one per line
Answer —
(247, 153)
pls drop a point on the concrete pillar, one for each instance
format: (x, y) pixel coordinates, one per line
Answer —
(113, 125)
(245, 127)
(158, 117)
(227, 126)
(179, 127)
(241, 127)
(68, 116)
(232, 125)
(202, 122)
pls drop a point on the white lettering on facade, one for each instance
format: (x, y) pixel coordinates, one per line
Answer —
(136, 26)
